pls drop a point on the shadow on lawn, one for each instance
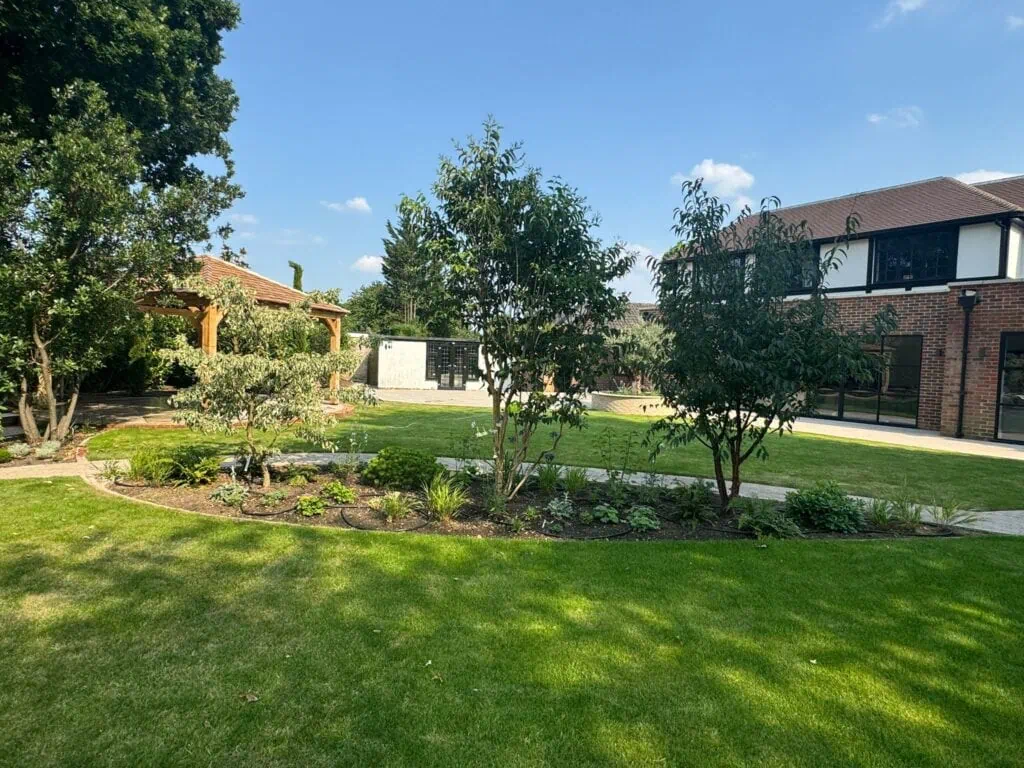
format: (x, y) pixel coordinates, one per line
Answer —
(138, 642)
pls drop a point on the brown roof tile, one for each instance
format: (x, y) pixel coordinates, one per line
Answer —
(213, 270)
(922, 202)
(1011, 190)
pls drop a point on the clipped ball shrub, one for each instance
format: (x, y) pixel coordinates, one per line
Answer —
(826, 508)
(403, 468)
(5, 456)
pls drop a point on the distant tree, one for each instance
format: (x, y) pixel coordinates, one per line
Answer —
(370, 311)
(407, 268)
(262, 387)
(520, 259)
(639, 352)
(742, 361)
(296, 275)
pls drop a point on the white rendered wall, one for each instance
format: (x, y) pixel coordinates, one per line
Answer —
(1015, 256)
(403, 365)
(853, 267)
(978, 251)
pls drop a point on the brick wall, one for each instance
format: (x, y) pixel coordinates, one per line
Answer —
(923, 314)
(1001, 309)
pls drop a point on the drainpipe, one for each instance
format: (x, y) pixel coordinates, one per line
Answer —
(968, 300)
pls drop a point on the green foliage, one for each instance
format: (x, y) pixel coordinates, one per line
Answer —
(696, 501)
(765, 518)
(575, 481)
(548, 476)
(231, 494)
(638, 353)
(643, 518)
(193, 465)
(826, 507)
(5, 456)
(445, 497)
(260, 388)
(948, 513)
(520, 262)
(47, 449)
(152, 466)
(273, 498)
(736, 345)
(605, 513)
(310, 506)
(394, 506)
(403, 468)
(878, 513)
(905, 513)
(19, 450)
(369, 309)
(561, 509)
(340, 493)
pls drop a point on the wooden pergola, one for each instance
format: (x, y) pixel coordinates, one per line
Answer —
(267, 292)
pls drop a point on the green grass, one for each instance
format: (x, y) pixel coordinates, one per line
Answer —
(797, 460)
(131, 634)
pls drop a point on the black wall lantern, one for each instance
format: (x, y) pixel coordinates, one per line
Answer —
(967, 300)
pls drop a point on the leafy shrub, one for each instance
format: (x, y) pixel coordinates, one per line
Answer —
(906, 513)
(393, 506)
(48, 449)
(194, 465)
(697, 501)
(404, 468)
(605, 513)
(231, 494)
(765, 519)
(273, 498)
(19, 450)
(643, 518)
(949, 513)
(310, 506)
(560, 509)
(547, 477)
(445, 497)
(5, 456)
(575, 481)
(298, 475)
(340, 493)
(826, 507)
(151, 466)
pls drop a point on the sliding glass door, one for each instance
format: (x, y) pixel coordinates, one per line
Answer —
(889, 397)
(1010, 418)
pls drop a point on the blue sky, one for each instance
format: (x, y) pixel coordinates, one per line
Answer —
(345, 106)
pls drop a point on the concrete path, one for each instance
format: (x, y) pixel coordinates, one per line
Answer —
(1009, 522)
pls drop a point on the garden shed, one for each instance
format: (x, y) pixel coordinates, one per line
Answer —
(405, 362)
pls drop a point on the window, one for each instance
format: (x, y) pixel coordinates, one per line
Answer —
(1010, 424)
(915, 257)
(889, 397)
(803, 271)
(452, 363)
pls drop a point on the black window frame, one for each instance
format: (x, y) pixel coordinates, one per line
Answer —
(1004, 338)
(877, 257)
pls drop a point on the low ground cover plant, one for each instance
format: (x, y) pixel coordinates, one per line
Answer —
(402, 468)
(183, 465)
(766, 519)
(310, 506)
(19, 450)
(5, 456)
(643, 518)
(561, 509)
(47, 449)
(826, 507)
(231, 494)
(696, 501)
(339, 493)
(394, 506)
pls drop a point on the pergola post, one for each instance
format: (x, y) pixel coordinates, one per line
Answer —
(334, 326)
(209, 318)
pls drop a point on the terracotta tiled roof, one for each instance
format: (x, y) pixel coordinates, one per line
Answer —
(922, 202)
(1011, 190)
(213, 270)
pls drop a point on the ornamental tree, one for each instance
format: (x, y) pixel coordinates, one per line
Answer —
(519, 258)
(262, 387)
(638, 352)
(742, 359)
(82, 235)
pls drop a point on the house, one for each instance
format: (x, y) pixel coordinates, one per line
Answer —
(949, 258)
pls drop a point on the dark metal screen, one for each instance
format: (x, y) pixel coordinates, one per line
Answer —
(452, 363)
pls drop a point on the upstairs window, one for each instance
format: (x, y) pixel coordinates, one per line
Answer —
(916, 257)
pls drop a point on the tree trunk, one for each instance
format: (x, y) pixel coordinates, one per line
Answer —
(27, 416)
(734, 491)
(266, 474)
(46, 382)
(499, 445)
(723, 492)
(64, 426)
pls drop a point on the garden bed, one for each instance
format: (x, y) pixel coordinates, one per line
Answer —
(534, 513)
(68, 452)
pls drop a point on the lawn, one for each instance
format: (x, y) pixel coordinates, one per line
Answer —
(138, 636)
(798, 460)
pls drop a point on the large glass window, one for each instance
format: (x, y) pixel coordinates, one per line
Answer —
(915, 257)
(1011, 389)
(889, 397)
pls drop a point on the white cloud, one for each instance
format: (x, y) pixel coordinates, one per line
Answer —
(899, 8)
(637, 282)
(980, 175)
(352, 205)
(368, 264)
(293, 237)
(900, 117)
(1013, 23)
(724, 180)
(244, 218)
